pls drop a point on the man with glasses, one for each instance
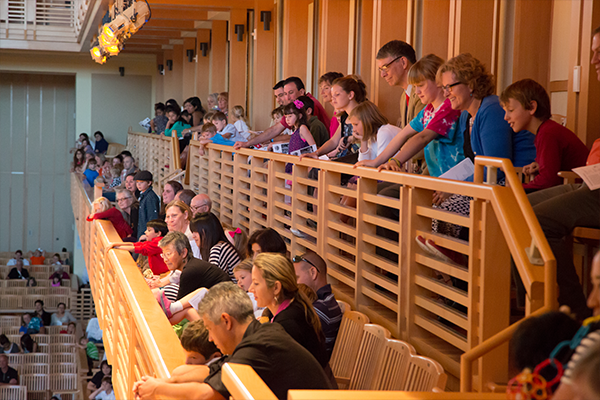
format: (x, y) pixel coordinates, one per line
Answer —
(311, 270)
(128, 206)
(200, 204)
(394, 60)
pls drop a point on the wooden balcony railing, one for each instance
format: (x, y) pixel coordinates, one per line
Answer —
(138, 339)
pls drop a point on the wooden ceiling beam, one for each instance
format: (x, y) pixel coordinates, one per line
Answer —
(179, 14)
(214, 5)
(170, 24)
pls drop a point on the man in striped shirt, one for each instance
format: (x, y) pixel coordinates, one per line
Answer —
(311, 270)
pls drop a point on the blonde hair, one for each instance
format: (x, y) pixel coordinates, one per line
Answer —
(182, 207)
(239, 113)
(103, 203)
(224, 95)
(239, 240)
(116, 169)
(371, 118)
(245, 265)
(276, 268)
(470, 71)
(425, 69)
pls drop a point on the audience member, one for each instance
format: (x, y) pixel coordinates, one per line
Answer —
(311, 270)
(60, 272)
(155, 231)
(279, 93)
(91, 352)
(38, 257)
(8, 375)
(87, 147)
(172, 103)
(279, 361)
(56, 260)
(18, 256)
(394, 60)
(78, 161)
(325, 82)
(223, 102)
(18, 272)
(118, 159)
(28, 345)
(176, 124)
(178, 217)
(71, 327)
(31, 323)
(294, 88)
(101, 144)
(128, 168)
(585, 377)
(96, 381)
(199, 350)
(243, 276)
(159, 122)
(274, 286)
(200, 204)
(104, 210)
(213, 243)
(8, 347)
(317, 129)
(266, 241)
(527, 107)
(193, 106)
(39, 312)
(56, 281)
(31, 282)
(149, 201)
(91, 172)
(226, 130)
(170, 189)
(295, 117)
(237, 238)
(185, 196)
(62, 316)
(129, 208)
(238, 116)
(211, 101)
(105, 391)
(93, 331)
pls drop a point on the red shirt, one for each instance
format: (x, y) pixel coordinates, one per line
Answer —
(114, 216)
(153, 252)
(557, 149)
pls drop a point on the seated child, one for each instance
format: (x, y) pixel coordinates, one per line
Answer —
(91, 172)
(243, 275)
(56, 281)
(31, 325)
(198, 348)
(105, 391)
(155, 231)
(225, 129)
(70, 329)
(209, 134)
(91, 352)
(240, 123)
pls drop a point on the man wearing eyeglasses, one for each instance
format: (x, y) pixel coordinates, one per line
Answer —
(200, 204)
(394, 60)
(311, 270)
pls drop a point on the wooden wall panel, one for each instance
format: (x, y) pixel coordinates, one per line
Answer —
(533, 33)
(474, 32)
(202, 66)
(160, 78)
(188, 70)
(37, 131)
(435, 27)
(389, 23)
(218, 58)
(238, 59)
(295, 38)
(262, 97)
(336, 35)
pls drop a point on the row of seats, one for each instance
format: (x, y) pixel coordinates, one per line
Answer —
(13, 329)
(41, 386)
(15, 302)
(43, 282)
(49, 269)
(42, 358)
(36, 290)
(45, 339)
(366, 358)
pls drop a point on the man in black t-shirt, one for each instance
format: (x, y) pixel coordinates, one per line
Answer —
(276, 357)
(18, 272)
(8, 375)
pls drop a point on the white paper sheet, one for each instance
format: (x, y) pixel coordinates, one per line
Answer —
(460, 171)
(590, 175)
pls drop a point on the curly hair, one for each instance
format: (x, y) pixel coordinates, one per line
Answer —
(472, 72)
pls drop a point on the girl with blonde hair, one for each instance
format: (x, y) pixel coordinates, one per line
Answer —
(104, 210)
(238, 116)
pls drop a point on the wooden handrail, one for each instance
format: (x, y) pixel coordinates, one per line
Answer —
(466, 365)
(388, 395)
(243, 383)
(137, 337)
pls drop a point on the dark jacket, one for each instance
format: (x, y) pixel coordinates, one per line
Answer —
(148, 210)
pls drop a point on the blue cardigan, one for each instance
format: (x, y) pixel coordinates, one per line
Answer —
(492, 136)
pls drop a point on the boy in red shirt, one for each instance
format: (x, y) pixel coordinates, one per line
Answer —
(155, 230)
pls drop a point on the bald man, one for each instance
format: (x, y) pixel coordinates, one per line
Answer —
(185, 195)
(201, 204)
(311, 270)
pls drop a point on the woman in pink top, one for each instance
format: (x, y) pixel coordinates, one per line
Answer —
(325, 82)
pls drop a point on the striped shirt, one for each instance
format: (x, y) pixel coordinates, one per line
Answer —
(588, 341)
(330, 314)
(224, 256)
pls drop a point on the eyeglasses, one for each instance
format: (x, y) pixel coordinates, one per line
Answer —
(166, 255)
(298, 259)
(194, 208)
(449, 87)
(124, 198)
(385, 67)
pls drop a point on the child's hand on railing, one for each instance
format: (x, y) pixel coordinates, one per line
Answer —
(239, 145)
(391, 165)
(365, 163)
(440, 197)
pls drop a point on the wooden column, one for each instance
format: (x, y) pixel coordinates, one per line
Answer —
(262, 98)
(295, 38)
(238, 58)
(173, 82)
(336, 38)
(436, 24)
(218, 58)
(203, 65)
(188, 70)
(532, 33)
(160, 79)
(389, 23)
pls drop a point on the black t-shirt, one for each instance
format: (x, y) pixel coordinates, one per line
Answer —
(276, 357)
(293, 319)
(46, 317)
(97, 379)
(14, 274)
(199, 274)
(10, 374)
